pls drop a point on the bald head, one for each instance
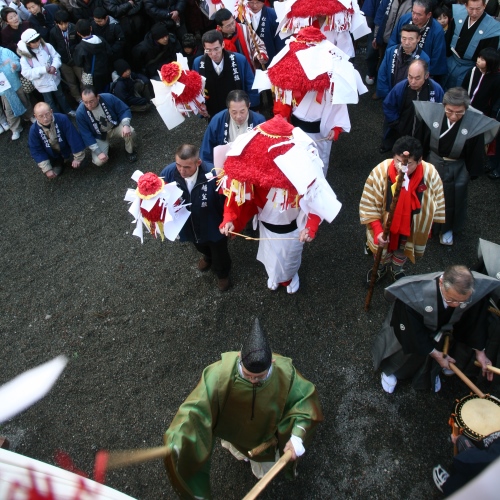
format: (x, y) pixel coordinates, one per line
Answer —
(418, 73)
(43, 113)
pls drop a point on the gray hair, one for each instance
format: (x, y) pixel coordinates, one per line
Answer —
(426, 4)
(457, 96)
(459, 278)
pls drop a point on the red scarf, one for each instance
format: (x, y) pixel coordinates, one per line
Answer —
(230, 44)
(408, 202)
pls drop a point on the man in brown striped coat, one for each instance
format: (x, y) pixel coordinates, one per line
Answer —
(420, 204)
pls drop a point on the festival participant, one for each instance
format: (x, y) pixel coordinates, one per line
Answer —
(277, 175)
(337, 20)
(400, 118)
(432, 39)
(202, 228)
(54, 142)
(224, 71)
(230, 123)
(264, 23)
(237, 38)
(101, 118)
(424, 308)
(264, 396)
(420, 203)
(316, 105)
(454, 139)
(473, 30)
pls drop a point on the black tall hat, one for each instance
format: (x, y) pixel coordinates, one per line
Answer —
(256, 354)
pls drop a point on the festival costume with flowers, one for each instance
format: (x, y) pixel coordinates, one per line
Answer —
(313, 81)
(274, 171)
(180, 92)
(342, 19)
(421, 203)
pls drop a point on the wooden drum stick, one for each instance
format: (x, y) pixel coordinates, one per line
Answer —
(261, 485)
(125, 458)
(263, 447)
(467, 380)
(490, 368)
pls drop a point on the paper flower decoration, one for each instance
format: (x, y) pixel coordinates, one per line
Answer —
(156, 205)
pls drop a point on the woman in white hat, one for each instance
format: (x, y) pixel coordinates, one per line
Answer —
(39, 64)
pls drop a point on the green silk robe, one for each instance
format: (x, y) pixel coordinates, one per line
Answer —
(221, 406)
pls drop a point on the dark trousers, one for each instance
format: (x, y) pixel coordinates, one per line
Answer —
(217, 254)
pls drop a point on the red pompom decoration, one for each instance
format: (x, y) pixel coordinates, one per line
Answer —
(255, 164)
(149, 184)
(193, 86)
(310, 34)
(170, 73)
(306, 8)
(288, 74)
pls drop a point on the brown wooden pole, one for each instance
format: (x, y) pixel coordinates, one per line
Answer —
(467, 380)
(387, 228)
(243, 19)
(263, 447)
(268, 477)
(124, 458)
(490, 368)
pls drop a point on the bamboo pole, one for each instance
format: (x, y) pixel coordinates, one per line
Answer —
(387, 228)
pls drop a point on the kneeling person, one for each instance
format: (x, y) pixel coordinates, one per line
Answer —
(101, 118)
(54, 141)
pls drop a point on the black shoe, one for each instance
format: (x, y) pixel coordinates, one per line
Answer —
(381, 272)
(132, 157)
(494, 176)
(397, 274)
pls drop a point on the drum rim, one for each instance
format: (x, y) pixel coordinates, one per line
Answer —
(465, 429)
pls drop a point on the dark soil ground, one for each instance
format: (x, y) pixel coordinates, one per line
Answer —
(140, 322)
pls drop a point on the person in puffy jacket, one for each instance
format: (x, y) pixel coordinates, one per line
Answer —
(40, 64)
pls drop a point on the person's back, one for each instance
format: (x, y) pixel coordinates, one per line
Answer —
(94, 55)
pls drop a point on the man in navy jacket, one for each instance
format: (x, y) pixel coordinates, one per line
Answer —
(54, 141)
(207, 206)
(101, 118)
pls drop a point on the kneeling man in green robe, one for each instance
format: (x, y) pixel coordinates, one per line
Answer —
(246, 399)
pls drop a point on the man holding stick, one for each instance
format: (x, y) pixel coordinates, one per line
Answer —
(420, 203)
(246, 399)
(425, 310)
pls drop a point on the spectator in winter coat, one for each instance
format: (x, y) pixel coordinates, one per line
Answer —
(64, 39)
(11, 33)
(54, 142)
(40, 64)
(83, 9)
(42, 17)
(109, 29)
(14, 100)
(170, 12)
(94, 55)
(191, 48)
(158, 48)
(128, 14)
(131, 88)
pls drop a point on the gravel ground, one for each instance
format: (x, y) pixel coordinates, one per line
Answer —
(140, 322)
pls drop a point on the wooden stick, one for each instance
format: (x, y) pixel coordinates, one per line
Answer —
(494, 310)
(261, 485)
(491, 368)
(124, 458)
(387, 229)
(258, 239)
(263, 447)
(456, 432)
(467, 380)
(446, 345)
(243, 19)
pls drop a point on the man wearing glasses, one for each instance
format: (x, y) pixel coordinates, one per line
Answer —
(453, 139)
(424, 310)
(473, 30)
(246, 399)
(224, 71)
(54, 142)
